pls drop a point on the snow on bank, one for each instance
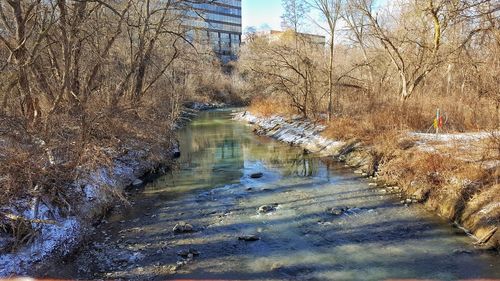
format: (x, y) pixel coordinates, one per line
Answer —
(463, 146)
(307, 134)
(453, 137)
(200, 106)
(66, 233)
(294, 131)
(430, 142)
(61, 237)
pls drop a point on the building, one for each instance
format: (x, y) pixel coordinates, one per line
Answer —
(218, 23)
(276, 35)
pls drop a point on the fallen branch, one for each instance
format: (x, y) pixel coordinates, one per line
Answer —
(486, 237)
(18, 218)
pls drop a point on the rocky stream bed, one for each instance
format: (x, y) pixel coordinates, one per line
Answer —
(246, 207)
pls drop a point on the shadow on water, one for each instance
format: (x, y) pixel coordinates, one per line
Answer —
(375, 238)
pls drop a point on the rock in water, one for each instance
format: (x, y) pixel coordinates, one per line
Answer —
(183, 227)
(256, 175)
(135, 258)
(461, 252)
(267, 208)
(338, 211)
(137, 182)
(188, 253)
(249, 238)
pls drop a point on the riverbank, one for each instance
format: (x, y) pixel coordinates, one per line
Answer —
(470, 200)
(246, 207)
(36, 230)
(58, 231)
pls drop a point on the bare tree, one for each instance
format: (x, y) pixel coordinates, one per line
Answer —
(82, 80)
(357, 25)
(282, 68)
(331, 12)
(294, 14)
(412, 66)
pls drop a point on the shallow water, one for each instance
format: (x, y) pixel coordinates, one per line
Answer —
(376, 238)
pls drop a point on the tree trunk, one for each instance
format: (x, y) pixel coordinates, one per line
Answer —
(404, 87)
(449, 78)
(330, 79)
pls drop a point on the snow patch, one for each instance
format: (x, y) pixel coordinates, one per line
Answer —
(200, 106)
(294, 131)
(453, 137)
(60, 238)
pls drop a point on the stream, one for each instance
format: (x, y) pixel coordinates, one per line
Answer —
(303, 218)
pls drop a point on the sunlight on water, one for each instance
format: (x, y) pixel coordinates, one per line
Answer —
(299, 239)
(379, 240)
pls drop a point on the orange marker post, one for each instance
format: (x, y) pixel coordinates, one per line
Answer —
(438, 122)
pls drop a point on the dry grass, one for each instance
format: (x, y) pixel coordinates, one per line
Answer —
(456, 179)
(452, 184)
(42, 163)
(271, 106)
(461, 114)
(431, 169)
(370, 107)
(361, 115)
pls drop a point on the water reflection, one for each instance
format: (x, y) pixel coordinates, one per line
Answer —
(290, 161)
(217, 151)
(376, 239)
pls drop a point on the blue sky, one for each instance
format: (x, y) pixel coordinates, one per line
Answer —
(260, 12)
(263, 13)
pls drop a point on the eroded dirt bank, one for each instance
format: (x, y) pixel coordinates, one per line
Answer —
(62, 231)
(473, 205)
(250, 208)
(57, 230)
